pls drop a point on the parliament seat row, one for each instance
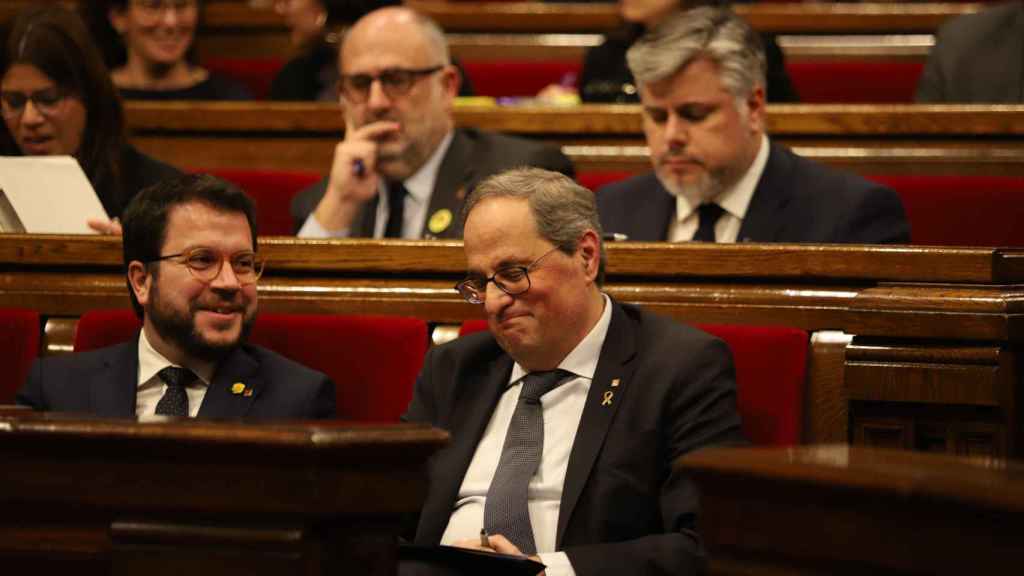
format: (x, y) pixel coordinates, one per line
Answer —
(942, 210)
(374, 360)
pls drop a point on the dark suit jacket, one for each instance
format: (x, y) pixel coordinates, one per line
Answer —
(103, 382)
(472, 156)
(796, 200)
(623, 509)
(977, 58)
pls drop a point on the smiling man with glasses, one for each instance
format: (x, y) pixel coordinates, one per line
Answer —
(403, 169)
(190, 253)
(566, 416)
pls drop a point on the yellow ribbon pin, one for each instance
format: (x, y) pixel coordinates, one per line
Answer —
(440, 221)
(237, 388)
(607, 398)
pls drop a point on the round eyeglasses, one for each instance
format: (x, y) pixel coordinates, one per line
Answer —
(512, 280)
(205, 264)
(396, 82)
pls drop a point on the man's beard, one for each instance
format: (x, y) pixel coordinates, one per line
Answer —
(705, 189)
(180, 329)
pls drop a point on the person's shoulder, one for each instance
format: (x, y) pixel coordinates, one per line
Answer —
(502, 151)
(87, 360)
(811, 178)
(220, 87)
(667, 342)
(276, 367)
(978, 25)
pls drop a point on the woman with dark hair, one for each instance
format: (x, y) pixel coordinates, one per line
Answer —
(56, 98)
(148, 45)
(606, 77)
(316, 29)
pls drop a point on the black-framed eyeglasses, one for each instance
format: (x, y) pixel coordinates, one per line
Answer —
(47, 101)
(396, 82)
(512, 280)
(205, 264)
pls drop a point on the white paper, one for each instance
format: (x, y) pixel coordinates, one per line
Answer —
(50, 194)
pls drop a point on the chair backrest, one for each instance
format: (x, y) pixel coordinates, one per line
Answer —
(771, 369)
(519, 78)
(855, 80)
(256, 74)
(272, 192)
(373, 360)
(19, 344)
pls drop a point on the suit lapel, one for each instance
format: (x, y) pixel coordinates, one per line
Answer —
(653, 214)
(366, 220)
(764, 218)
(225, 398)
(611, 381)
(451, 186)
(473, 410)
(113, 388)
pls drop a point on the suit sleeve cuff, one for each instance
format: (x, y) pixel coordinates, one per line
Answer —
(557, 564)
(311, 228)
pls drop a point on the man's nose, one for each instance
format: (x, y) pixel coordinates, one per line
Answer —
(495, 299)
(377, 98)
(226, 278)
(168, 15)
(677, 129)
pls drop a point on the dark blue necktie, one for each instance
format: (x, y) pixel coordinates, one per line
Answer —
(175, 400)
(708, 215)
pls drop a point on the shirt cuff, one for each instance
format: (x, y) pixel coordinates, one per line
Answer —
(311, 228)
(557, 564)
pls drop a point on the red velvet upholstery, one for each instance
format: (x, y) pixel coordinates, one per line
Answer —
(594, 179)
(771, 367)
(962, 210)
(854, 81)
(373, 360)
(256, 74)
(272, 191)
(19, 344)
(519, 77)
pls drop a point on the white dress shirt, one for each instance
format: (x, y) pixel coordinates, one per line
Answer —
(562, 408)
(733, 201)
(151, 388)
(420, 187)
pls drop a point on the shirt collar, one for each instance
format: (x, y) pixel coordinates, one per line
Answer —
(151, 362)
(421, 184)
(582, 361)
(735, 199)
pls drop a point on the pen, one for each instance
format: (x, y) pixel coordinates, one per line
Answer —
(358, 168)
(615, 237)
(484, 541)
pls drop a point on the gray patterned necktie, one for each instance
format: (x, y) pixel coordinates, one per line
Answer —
(506, 510)
(175, 400)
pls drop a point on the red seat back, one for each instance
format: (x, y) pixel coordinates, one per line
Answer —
(19, 344)
(855, 80)
(373, 360)
(951, 210)
(255, 74)
(771, 368)
(272, 192)
(594, 179)
(518, 78)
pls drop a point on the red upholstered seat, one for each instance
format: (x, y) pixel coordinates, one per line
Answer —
(771, 367)
(255, 74)
(272, 191)
(19, 344)
(968, 210)
(373, 360)
(594, 179)
(519, 77)
(855, 80)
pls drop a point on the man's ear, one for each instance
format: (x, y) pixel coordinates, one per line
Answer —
(755, 103)
(140, 280)
(451, 80)
(590, 251)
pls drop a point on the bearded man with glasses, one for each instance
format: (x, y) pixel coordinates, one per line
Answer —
(191, 260)
(403, 169)
(567, 415)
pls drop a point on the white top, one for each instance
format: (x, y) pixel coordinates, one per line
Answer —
(151, 388)
(734, 201)
(420, 187)
(562, 408)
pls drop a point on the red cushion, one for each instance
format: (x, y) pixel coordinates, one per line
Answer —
(272, 191)
(594, 179)
(855, 80)
(255, 74)
(519, 77)
(373, 360)
(19, 344)
(952, 210)
(771, 367)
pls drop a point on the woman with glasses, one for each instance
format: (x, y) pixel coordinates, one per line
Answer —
(148, 45)
(56, 98)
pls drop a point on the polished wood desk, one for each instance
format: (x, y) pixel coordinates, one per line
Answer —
(870, 139)
(934, 363)
(850, 510)
(92, 496)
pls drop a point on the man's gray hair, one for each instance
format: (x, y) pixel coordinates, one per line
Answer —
(715, 33)
(562, 209)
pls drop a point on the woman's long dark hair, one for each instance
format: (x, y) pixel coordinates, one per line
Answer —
(55, 40)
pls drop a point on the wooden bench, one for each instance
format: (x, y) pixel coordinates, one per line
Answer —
(933, 363)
